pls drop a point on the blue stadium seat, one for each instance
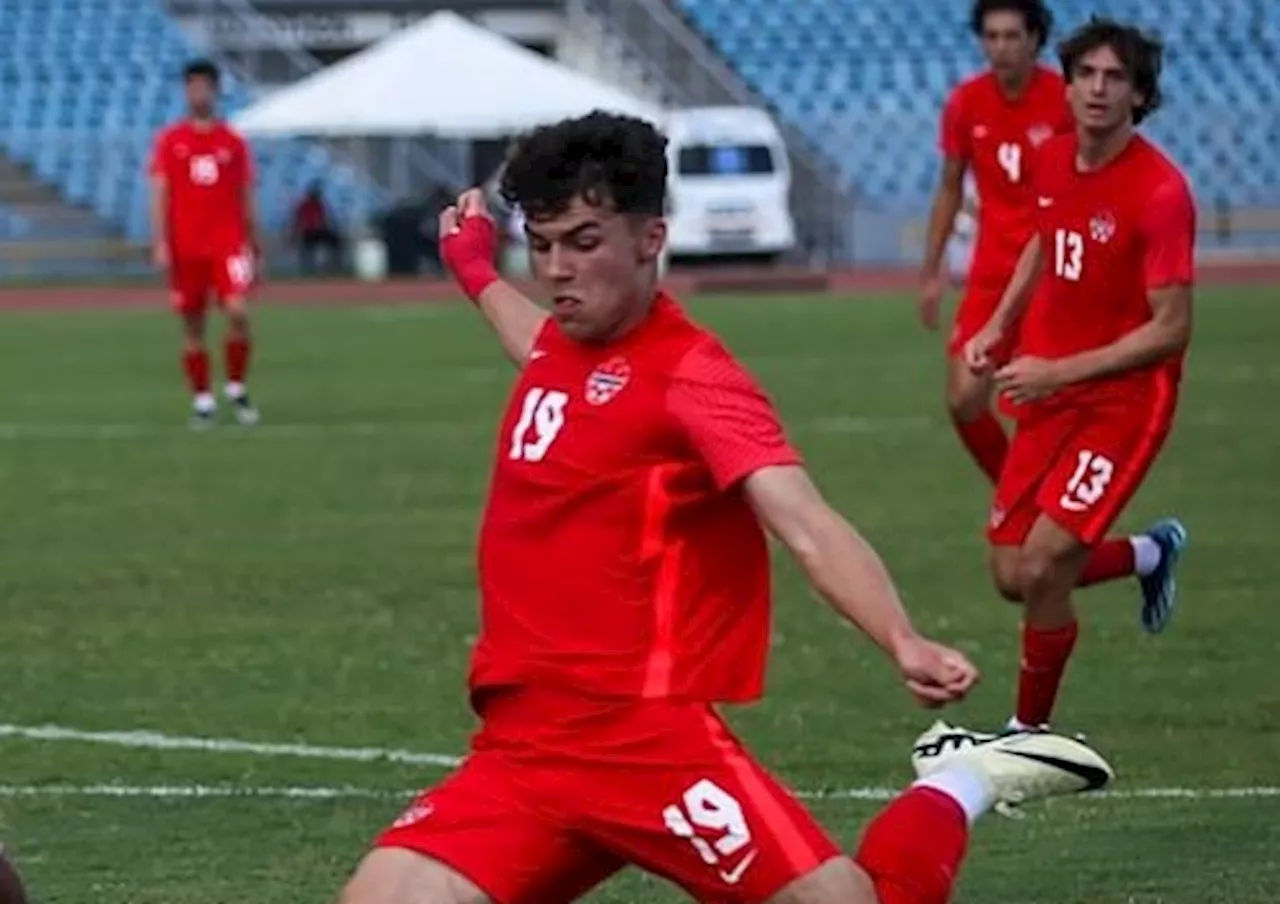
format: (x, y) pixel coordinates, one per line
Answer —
(84, 85)
(864, 80)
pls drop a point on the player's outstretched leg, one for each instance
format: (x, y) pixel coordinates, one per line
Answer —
(237, 345)
(914, 848)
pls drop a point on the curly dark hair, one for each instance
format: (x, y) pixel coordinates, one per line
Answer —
(603, 158)
(202, 68)
(1142, 56)
(1038, 18)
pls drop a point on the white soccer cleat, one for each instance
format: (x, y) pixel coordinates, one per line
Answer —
(1021, 766)
(941, 742)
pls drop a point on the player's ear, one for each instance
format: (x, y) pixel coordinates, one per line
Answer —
(652, 238)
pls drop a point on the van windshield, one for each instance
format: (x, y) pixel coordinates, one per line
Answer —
(725, 160)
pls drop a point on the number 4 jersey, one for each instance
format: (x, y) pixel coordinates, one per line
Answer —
(616, 556)
(1108, 238)
(997, 137)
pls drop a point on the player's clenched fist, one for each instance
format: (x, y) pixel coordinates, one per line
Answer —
(935, 675)
(469, 242)
(1028, 379)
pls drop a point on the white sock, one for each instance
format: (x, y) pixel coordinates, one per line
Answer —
(1146, 554)
(205, 403)
(966, 785)
(1016, 724)
(235, 391)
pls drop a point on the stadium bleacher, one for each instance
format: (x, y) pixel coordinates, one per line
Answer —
(85, 84)
(865, 79)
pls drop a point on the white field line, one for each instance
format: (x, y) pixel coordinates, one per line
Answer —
(151, 740)
(154, 740)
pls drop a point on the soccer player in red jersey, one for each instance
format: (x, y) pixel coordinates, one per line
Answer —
(991, 125)
(1103, 292)
(204, 237)
(625, 592)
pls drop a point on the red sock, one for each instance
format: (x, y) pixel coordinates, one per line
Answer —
(913, 850)
(1044, 660)
(195, 361)
(237, 352)
(1109, 561)
(985, 439)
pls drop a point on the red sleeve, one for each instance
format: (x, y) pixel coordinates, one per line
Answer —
(1168, 236)
(727, 416)
(954, 137)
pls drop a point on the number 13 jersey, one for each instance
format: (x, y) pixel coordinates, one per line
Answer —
(1108, 237)
(617, 556)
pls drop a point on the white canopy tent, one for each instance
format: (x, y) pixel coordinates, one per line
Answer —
(445, 77)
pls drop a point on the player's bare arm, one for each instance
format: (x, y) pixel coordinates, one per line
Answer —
(1017, 295)
(850, 575)
(159, 221)
(468, 240)
(947, 202)
(249, 200)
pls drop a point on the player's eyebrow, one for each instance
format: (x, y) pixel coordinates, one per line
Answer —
(571, 234)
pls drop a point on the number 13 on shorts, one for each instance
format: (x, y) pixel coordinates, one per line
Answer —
(1088, 483)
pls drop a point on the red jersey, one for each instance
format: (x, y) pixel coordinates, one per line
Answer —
(616, 557)
(208, 171)
(1108, 238)
(996, 136)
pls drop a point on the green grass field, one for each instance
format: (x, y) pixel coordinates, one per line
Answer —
(310, 582)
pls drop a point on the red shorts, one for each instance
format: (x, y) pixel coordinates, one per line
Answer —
(660, 785)
(979, 302)
(193, 280)
(1079, 465)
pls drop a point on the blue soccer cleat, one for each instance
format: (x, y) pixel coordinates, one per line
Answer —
(1160, 588)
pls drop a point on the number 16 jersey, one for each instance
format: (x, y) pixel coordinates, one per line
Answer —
(617, 556)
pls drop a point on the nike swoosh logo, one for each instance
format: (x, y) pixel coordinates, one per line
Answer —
(1093, 777)
(536, 354)
(1046, 202)
(731, 877)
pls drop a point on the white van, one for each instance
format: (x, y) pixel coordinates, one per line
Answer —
(729, 184)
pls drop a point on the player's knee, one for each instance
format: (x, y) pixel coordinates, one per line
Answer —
(965, 405)
(1005, 574)
(838, 881)
(967, 398)
(236, 308)
(397, 876)
(1038, 572)
(237, 319)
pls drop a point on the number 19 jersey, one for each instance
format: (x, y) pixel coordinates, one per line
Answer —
(617, 557)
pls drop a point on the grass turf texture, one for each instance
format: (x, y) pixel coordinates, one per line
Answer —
(310, 580)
